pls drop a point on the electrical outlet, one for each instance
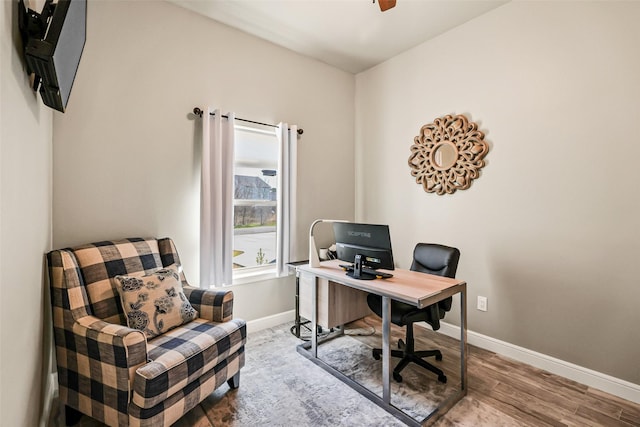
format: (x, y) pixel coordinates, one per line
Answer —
(482, 303)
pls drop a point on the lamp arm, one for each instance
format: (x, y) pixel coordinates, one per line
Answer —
(314, 258)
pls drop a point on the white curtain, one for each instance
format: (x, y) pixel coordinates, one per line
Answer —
(216, 200)
(287, 171)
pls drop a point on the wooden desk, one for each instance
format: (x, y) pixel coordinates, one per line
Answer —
(418, 289)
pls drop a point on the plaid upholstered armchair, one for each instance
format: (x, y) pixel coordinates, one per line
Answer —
(150, 375)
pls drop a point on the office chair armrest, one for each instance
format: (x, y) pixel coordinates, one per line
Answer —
(437, 311)
(433, 318)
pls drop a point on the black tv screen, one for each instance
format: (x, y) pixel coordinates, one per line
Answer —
(54, 58)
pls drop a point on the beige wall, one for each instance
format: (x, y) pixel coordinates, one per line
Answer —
(126, 153)
(25, 233)
(550, 233)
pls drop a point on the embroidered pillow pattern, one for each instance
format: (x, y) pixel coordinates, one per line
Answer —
(155, 303)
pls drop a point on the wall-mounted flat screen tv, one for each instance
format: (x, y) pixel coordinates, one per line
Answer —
(54, 41)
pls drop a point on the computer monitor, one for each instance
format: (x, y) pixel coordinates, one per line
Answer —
(367, 246)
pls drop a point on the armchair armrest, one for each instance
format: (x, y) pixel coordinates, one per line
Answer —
(97, 362)
(213, 305)
(119, 349)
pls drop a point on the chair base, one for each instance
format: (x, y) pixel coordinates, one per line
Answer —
(407, 356)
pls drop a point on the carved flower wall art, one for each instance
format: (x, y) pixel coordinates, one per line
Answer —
(447, 155)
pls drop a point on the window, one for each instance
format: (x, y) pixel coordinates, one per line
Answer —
(255, 200)
(247, 199)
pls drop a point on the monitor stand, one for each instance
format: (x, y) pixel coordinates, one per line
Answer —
(357, 272)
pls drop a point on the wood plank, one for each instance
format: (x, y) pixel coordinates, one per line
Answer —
(509, 408)
(531, 380)
(631, 409)
(599, 417)
(630, 417)
(532, 405)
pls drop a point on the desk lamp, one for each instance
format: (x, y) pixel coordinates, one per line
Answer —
(314, 259)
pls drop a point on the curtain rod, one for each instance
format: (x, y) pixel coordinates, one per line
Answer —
(198, 112)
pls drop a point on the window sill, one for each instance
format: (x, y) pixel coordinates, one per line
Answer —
(254, 276)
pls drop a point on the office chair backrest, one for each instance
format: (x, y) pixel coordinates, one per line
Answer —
(435, 259)
(440, 260)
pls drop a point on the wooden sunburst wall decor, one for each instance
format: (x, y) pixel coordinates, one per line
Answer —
(447, 155)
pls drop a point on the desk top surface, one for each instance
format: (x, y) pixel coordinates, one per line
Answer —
(412, 287)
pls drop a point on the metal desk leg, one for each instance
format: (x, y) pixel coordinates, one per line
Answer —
(386, 352)
(314, 318)
(297, 319)
(463, 339)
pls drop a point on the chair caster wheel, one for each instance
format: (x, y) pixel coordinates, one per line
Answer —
(376, 354)
(398, 377)
(438, 357)
(442, 379)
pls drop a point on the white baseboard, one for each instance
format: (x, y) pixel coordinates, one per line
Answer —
(270, 321)
(604, 382)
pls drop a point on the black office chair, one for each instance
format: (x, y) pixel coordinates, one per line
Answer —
(427, 258)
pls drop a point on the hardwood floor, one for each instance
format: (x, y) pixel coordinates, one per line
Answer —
(530, 395)
(507, 389)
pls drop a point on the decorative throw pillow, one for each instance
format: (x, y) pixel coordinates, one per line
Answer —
(155, 302)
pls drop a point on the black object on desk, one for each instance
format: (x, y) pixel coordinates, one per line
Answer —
(357, 271)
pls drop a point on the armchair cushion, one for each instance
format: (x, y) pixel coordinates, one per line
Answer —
(155, 302)
(183, 355)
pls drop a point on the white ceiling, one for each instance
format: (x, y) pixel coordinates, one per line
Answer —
(352, 35)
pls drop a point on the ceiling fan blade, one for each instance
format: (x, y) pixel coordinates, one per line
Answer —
(386, 4)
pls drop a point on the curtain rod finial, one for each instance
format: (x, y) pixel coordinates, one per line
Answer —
(300, 131)
(197, 111)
